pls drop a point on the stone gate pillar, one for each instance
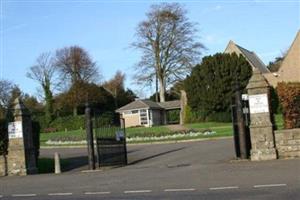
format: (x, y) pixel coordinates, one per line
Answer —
(21, 157)
(261, 128)
(183, 103)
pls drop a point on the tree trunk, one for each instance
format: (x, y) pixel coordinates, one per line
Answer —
(75, 111)
(162, 90)
(49, 104)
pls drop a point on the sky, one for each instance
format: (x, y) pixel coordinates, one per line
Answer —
(107, 28)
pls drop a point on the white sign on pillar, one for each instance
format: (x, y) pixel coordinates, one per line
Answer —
(258, 103)
(15, 130)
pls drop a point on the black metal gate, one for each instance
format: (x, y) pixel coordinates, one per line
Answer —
(111, 144)
(245, 120)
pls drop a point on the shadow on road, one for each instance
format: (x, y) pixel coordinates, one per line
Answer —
(75, 163)
(154, 156)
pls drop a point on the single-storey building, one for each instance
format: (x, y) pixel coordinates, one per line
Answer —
(146, 112)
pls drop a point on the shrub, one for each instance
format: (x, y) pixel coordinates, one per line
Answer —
(173, 116)
(219, 117)
(289, 97)
(68, 123)
(275, 105)
(49, 130)
(107, 118)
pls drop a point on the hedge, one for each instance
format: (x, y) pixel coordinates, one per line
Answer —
(70, 123)
(289, 97)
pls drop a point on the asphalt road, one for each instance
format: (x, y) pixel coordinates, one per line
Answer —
(191, 170)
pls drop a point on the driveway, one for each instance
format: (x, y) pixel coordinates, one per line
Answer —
(191, 170)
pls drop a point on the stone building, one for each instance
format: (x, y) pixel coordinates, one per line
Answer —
(289, 70)
(250, 56)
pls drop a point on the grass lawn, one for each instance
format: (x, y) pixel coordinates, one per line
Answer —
(75, 135)
(147, 131)
(221, 129)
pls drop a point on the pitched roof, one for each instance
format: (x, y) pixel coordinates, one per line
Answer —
(139, 104)
(146, 104)
(170, 104)
(289, 70)
(250, 56)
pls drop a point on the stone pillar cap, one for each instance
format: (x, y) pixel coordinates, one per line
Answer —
(19, 107)
(257, 80)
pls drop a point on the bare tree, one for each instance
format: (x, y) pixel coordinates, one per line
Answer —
(5, 92)
(115, 85)
(43, 72)
(76, 68)
(75, 64)
(167, 42)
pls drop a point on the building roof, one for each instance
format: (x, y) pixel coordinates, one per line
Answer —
(148, 104)
(289, 70)
(168, 105)
(250, 56)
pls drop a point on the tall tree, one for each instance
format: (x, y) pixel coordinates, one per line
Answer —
(76, 67)
(75, 64)
(213, 80)
(167, 42)
(275, 65)
(5, 95)
(43, 72)
(115, 85)
(5, 91)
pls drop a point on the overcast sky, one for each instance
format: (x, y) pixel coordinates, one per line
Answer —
(106, 29)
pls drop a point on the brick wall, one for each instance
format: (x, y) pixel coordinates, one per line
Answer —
(288, 143)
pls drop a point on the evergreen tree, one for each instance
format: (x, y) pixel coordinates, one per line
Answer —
(209, 87)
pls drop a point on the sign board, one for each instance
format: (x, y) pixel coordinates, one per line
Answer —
(258, 103)
(15, 130)
(120, 135)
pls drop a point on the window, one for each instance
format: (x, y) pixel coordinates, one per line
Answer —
(143, 117)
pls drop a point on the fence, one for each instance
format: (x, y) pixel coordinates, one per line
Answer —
(111, 144)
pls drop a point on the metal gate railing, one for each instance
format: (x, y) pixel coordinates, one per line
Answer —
(241, 122)
(111, 145)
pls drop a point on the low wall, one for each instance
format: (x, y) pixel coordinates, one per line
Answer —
(288, 143)
(2, 166)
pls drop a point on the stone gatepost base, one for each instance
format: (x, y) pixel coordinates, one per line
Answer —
(263, 154)
(3, 169)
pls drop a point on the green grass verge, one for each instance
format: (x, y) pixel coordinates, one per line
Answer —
(221, 129)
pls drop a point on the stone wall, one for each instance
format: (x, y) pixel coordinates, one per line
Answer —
(288, 143)
(2, 166)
